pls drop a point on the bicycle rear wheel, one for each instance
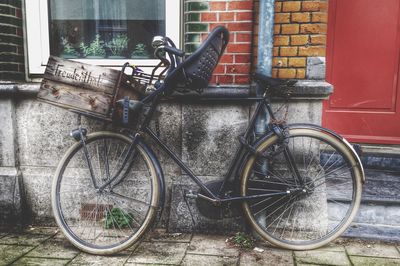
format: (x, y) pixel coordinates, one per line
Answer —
(319, 202)
(105, 221)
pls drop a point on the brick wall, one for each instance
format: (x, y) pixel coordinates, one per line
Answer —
(11, 41)
(300, 33)
(202, 16)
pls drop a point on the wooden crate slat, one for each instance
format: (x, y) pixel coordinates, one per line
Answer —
(68, 96)
(81, 75)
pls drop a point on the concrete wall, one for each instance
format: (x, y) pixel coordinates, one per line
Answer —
(203, 134)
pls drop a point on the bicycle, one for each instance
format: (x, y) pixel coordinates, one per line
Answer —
(299, 185)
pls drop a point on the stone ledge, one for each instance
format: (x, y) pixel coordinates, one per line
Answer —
(298, 89)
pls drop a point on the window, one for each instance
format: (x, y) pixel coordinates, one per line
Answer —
(101, 32)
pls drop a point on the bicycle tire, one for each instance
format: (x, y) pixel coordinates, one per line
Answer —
(109, 221)
(309, 215)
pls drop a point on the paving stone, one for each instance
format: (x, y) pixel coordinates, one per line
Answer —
(40, 262)
(24, 239)
(160, 235)
(201, 260)
(371, 261)
(373, 250)
(10, 253)
(41, 230)
(268, 257)
(333, 247)
(211, 245)
(55, 248)
(322, 257)
(88, 259)
(158, 253)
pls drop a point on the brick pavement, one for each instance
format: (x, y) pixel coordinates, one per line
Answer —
(46, 246)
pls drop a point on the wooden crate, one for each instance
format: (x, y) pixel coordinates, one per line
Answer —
(86, 88)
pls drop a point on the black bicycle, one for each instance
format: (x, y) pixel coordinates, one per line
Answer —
(299, 185)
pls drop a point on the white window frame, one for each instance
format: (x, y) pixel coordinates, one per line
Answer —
(38, 41)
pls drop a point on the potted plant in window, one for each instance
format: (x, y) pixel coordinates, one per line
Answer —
(118, 46)
(140, 52)
(94, 50)
(68, 52)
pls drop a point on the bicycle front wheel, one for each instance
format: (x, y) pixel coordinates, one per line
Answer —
(317, 181)
(102, 204)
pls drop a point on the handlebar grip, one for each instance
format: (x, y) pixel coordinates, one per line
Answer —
(174, 51)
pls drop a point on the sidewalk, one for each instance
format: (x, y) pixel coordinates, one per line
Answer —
(46, 246)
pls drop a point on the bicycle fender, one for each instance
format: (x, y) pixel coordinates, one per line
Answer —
(159, 172)
(328, 131)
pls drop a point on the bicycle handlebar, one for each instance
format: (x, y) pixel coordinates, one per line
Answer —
(173, 50)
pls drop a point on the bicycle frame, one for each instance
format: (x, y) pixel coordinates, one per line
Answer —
(240, 155)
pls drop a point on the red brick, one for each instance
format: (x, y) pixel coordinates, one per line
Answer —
(220, 69)
(319, 17)
(226, 58)
(217, 6)
(279, 61)
(225, 79)
(18, 13)
(227, 16)
(213, 79)
(242, 58)
(318, 39)
(238, 68)
(243, 37)
(300, 73)
(275, 51)
(297, 62)
(310, 6)
(240, 16)
(313, 28)
(242, 79)
(240, 26)
(301, 17)
(281, 40)
(312, 51)
(288, 51)
(239, 48)
(278, 6)
(282, 18)
(274, 72)
(287, 73)
(290, 28)
(214, 25)
(277, 29)
(208, 17)
(240, 5)
(299, 39)
(291, 6)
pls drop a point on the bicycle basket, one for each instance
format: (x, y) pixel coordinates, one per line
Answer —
(130, 89)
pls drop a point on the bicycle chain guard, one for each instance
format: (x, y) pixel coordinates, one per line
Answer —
(225, 210)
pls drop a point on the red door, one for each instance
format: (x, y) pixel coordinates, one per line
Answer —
(363, 55)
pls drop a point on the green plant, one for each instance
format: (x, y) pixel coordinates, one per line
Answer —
(140, 51)
(95, 48)
(117, 218)
(243, 240)
(68, 49)
(118, 44)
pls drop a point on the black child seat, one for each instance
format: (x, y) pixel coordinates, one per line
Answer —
(194, 73)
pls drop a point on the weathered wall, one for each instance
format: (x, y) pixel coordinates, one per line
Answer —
(204, 135)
